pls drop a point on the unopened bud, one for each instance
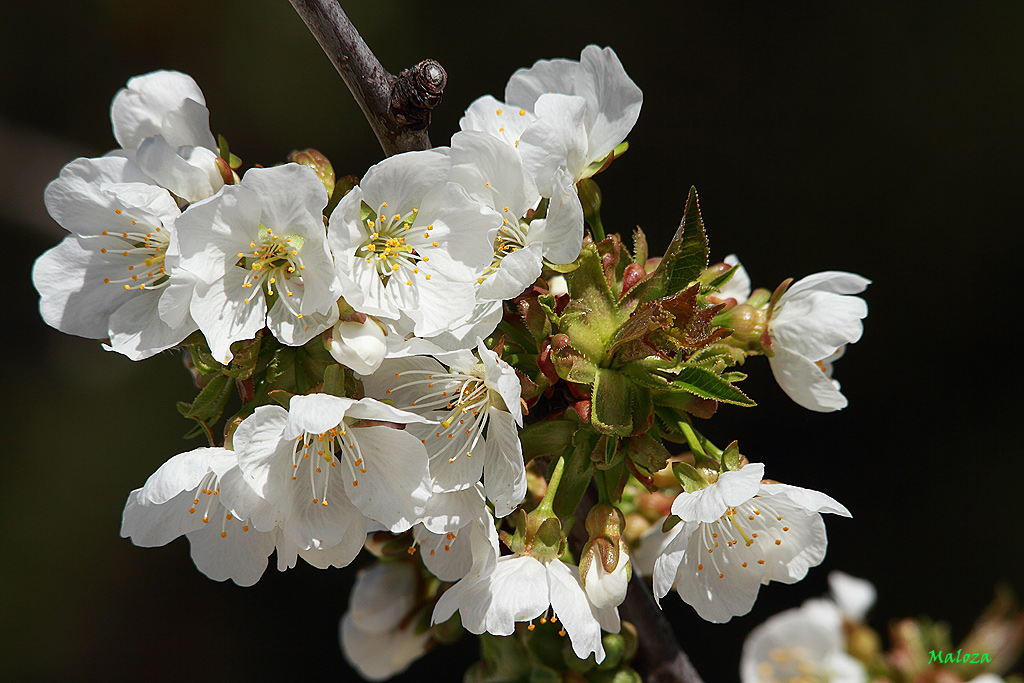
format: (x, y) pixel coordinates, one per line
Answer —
(319, 163)
(605, 567)
(360, 346)
(746, 322)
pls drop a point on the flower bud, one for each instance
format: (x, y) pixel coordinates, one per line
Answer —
(633, 274)
(319, 163)
(605, 567)
(360, 346)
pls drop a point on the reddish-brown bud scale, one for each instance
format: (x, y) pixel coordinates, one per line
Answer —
(633, 274)
(544, 362)
(582, 409)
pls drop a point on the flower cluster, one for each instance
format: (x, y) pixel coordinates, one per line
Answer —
(440, 362)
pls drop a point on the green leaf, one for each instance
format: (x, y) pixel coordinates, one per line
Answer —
(732, 456)
(647, 452)
(209, 403)
(548, 437)
(592, 316)
(717, 283)
(686, 256)
(706, 384)
(575, 479)
(612, 403)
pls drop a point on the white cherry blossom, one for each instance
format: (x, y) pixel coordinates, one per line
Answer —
(377, 635)
(259, 253)
(161, 121)
(200, 494)
(116, 275)
(809, 328)
(407, 242)
(475, 407)
(800, 644)
(736, 534)
(325, 474)
(493, 174)
(500, 591)
(360, 346)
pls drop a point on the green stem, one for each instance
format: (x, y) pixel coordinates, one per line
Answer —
(596, 227)
(602, 487)
(549, 496)
(693, 441)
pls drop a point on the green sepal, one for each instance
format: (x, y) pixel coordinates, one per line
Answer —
(686, 256)
(245, 355)
(731, 457)
(547, 437)
(573, 366)
(669, 523)
(281, 397)
(647, 452)
(717, 283)
(561, 268)
(605, 453)
(575, 478)
(604, 162)
(612, 403)
(688, 477)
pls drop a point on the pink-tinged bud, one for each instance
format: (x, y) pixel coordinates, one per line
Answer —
(226, 174)
(559, 342)
(633, 274)
(608, 262)
(582, 409)
(544, 362)
(319, 163)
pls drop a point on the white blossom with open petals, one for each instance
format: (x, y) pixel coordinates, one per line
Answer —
(259, 253)
(475, 408)
(800, 644)
(161, 121)
(116, 275)
(493, 174)
(200, 494)
(378, 637)
(739, 533)
(809, 328)
(325, 474)
(580, 111)
(500, 591)
(407, 242)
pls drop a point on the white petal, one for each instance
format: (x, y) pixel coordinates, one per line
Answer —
(503, 121)
(561, 230)
(360, 346)
(382, 596)
(518, 270)
(379, 656)
(394, 488)
(227, 312)
(403, 180)
(545, 76)
(805, 382)
(815, 324)
(504, 471)
(836, 281)
(226, 551)
(569, 603)
(558, 139)
(164, 165)
(613, 99)
(142, 110)
(264, 454)
(732, 488)
(738, 286)
(137, 331)
(853, 596)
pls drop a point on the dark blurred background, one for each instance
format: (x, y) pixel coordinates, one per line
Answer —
(875, 137)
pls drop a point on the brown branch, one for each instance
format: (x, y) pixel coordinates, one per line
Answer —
(397, 107)
(659, 658)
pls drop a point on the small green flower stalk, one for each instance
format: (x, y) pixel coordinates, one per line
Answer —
(449, 364)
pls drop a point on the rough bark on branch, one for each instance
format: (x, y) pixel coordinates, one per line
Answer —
(397, 107)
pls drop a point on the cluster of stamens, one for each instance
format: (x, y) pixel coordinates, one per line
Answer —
(209, 487)
(143, 249)
(788, 665)
(273, 261)
(739, 528)
(322, 452)
(466, 399)
(545, 618)
(511, 237)
(387, 248)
